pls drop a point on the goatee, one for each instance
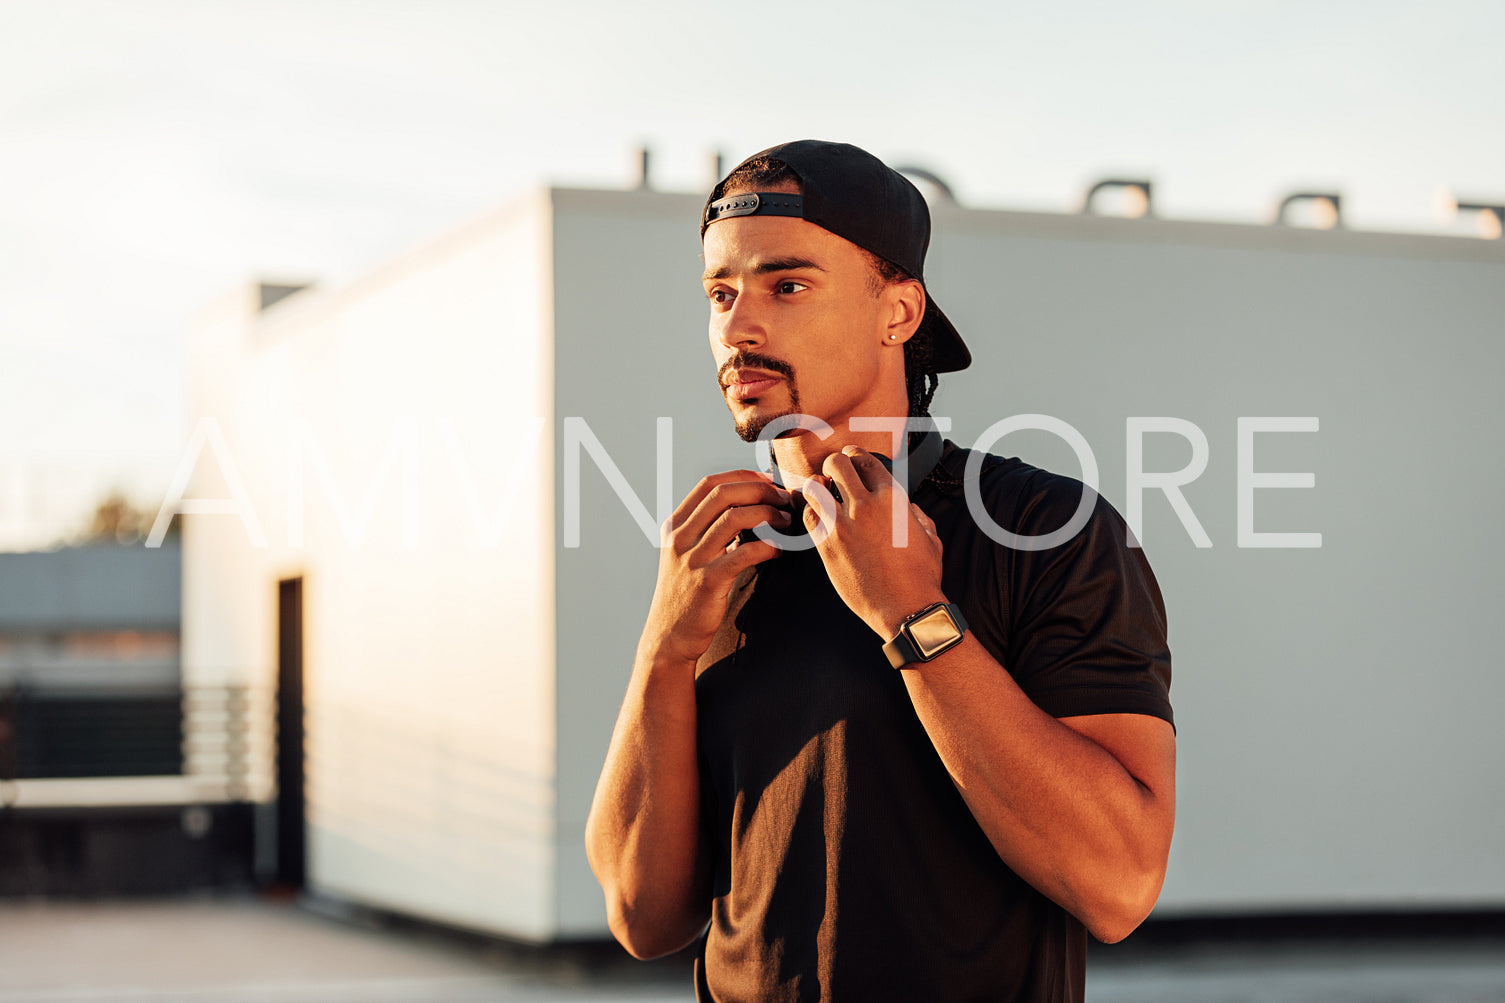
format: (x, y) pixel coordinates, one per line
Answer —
(748, 429)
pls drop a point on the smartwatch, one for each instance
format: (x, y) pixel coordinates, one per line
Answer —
(924, 635)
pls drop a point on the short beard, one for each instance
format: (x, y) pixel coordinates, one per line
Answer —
(750, 429)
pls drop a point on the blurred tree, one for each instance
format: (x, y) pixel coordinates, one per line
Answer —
(117, 519)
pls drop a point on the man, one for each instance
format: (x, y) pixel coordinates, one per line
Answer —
(912, 762)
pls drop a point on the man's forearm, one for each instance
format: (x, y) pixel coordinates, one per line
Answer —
(643, 833)
(1064, 812)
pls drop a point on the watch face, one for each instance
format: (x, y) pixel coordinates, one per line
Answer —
(933, 633)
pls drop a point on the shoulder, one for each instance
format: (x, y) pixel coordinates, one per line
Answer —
(1076, 613)
(1024, 506)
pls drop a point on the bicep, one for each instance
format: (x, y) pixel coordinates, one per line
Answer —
(1144, 746)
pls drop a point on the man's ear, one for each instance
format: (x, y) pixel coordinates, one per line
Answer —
(906, 308)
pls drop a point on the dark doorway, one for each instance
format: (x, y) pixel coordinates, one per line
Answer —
(292, 829)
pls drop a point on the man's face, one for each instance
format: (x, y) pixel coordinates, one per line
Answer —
(795, 327)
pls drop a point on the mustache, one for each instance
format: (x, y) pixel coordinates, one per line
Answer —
(752, 360)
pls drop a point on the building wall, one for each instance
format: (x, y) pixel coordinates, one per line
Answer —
(1335, 705)
(101, 618)
(91, 587)
(630, 331)
(402, 404)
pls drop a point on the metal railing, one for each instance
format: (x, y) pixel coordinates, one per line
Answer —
(208, 734)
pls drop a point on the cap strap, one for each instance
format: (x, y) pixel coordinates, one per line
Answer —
(755, 204)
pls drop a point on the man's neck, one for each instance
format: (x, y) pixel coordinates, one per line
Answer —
(803, 455)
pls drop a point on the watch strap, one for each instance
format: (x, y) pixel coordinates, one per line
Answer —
(901, 651)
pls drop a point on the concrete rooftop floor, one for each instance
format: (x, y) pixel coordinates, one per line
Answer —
(251, 950)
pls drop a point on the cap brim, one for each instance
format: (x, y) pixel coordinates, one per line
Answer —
(948, 352)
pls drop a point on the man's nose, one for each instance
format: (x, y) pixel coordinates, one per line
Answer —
(743, 326)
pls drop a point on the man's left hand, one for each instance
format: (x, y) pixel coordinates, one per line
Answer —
(885, 564)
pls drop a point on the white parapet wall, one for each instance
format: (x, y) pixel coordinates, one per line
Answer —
(1336, 704)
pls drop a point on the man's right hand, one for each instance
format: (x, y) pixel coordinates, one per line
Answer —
(697, 563)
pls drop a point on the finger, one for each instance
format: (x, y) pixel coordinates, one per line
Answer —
(871, 469)
(728, 524)
(820, 509)
(838, 467)
(709, 483)
(724, 497)
(742, 557)
(928, 524)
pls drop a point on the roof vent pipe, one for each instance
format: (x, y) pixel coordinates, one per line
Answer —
(643, 160)
(1326, 207)
(1491, 216)
(930, 178)
(1138, 197)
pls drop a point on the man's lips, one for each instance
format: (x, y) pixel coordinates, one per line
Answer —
(753, 388)
(747, 384)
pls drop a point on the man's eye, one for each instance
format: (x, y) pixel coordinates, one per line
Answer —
(719, 296)
(790, 286)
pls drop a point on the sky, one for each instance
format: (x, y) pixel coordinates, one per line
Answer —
(155, 154)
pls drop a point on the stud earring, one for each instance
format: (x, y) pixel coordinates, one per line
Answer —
(892, 337)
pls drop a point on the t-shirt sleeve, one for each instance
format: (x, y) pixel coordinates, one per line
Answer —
(1087, 623)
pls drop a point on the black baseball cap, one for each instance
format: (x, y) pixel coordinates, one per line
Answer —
(858, 197)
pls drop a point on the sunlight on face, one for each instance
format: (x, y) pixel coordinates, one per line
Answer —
(789, 300)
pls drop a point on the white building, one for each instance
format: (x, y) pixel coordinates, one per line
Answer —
(89, 678)
(406, 447)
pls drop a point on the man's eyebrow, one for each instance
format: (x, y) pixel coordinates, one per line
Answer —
(765, 267)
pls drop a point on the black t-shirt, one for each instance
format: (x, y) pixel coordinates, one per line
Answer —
(845, 864)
